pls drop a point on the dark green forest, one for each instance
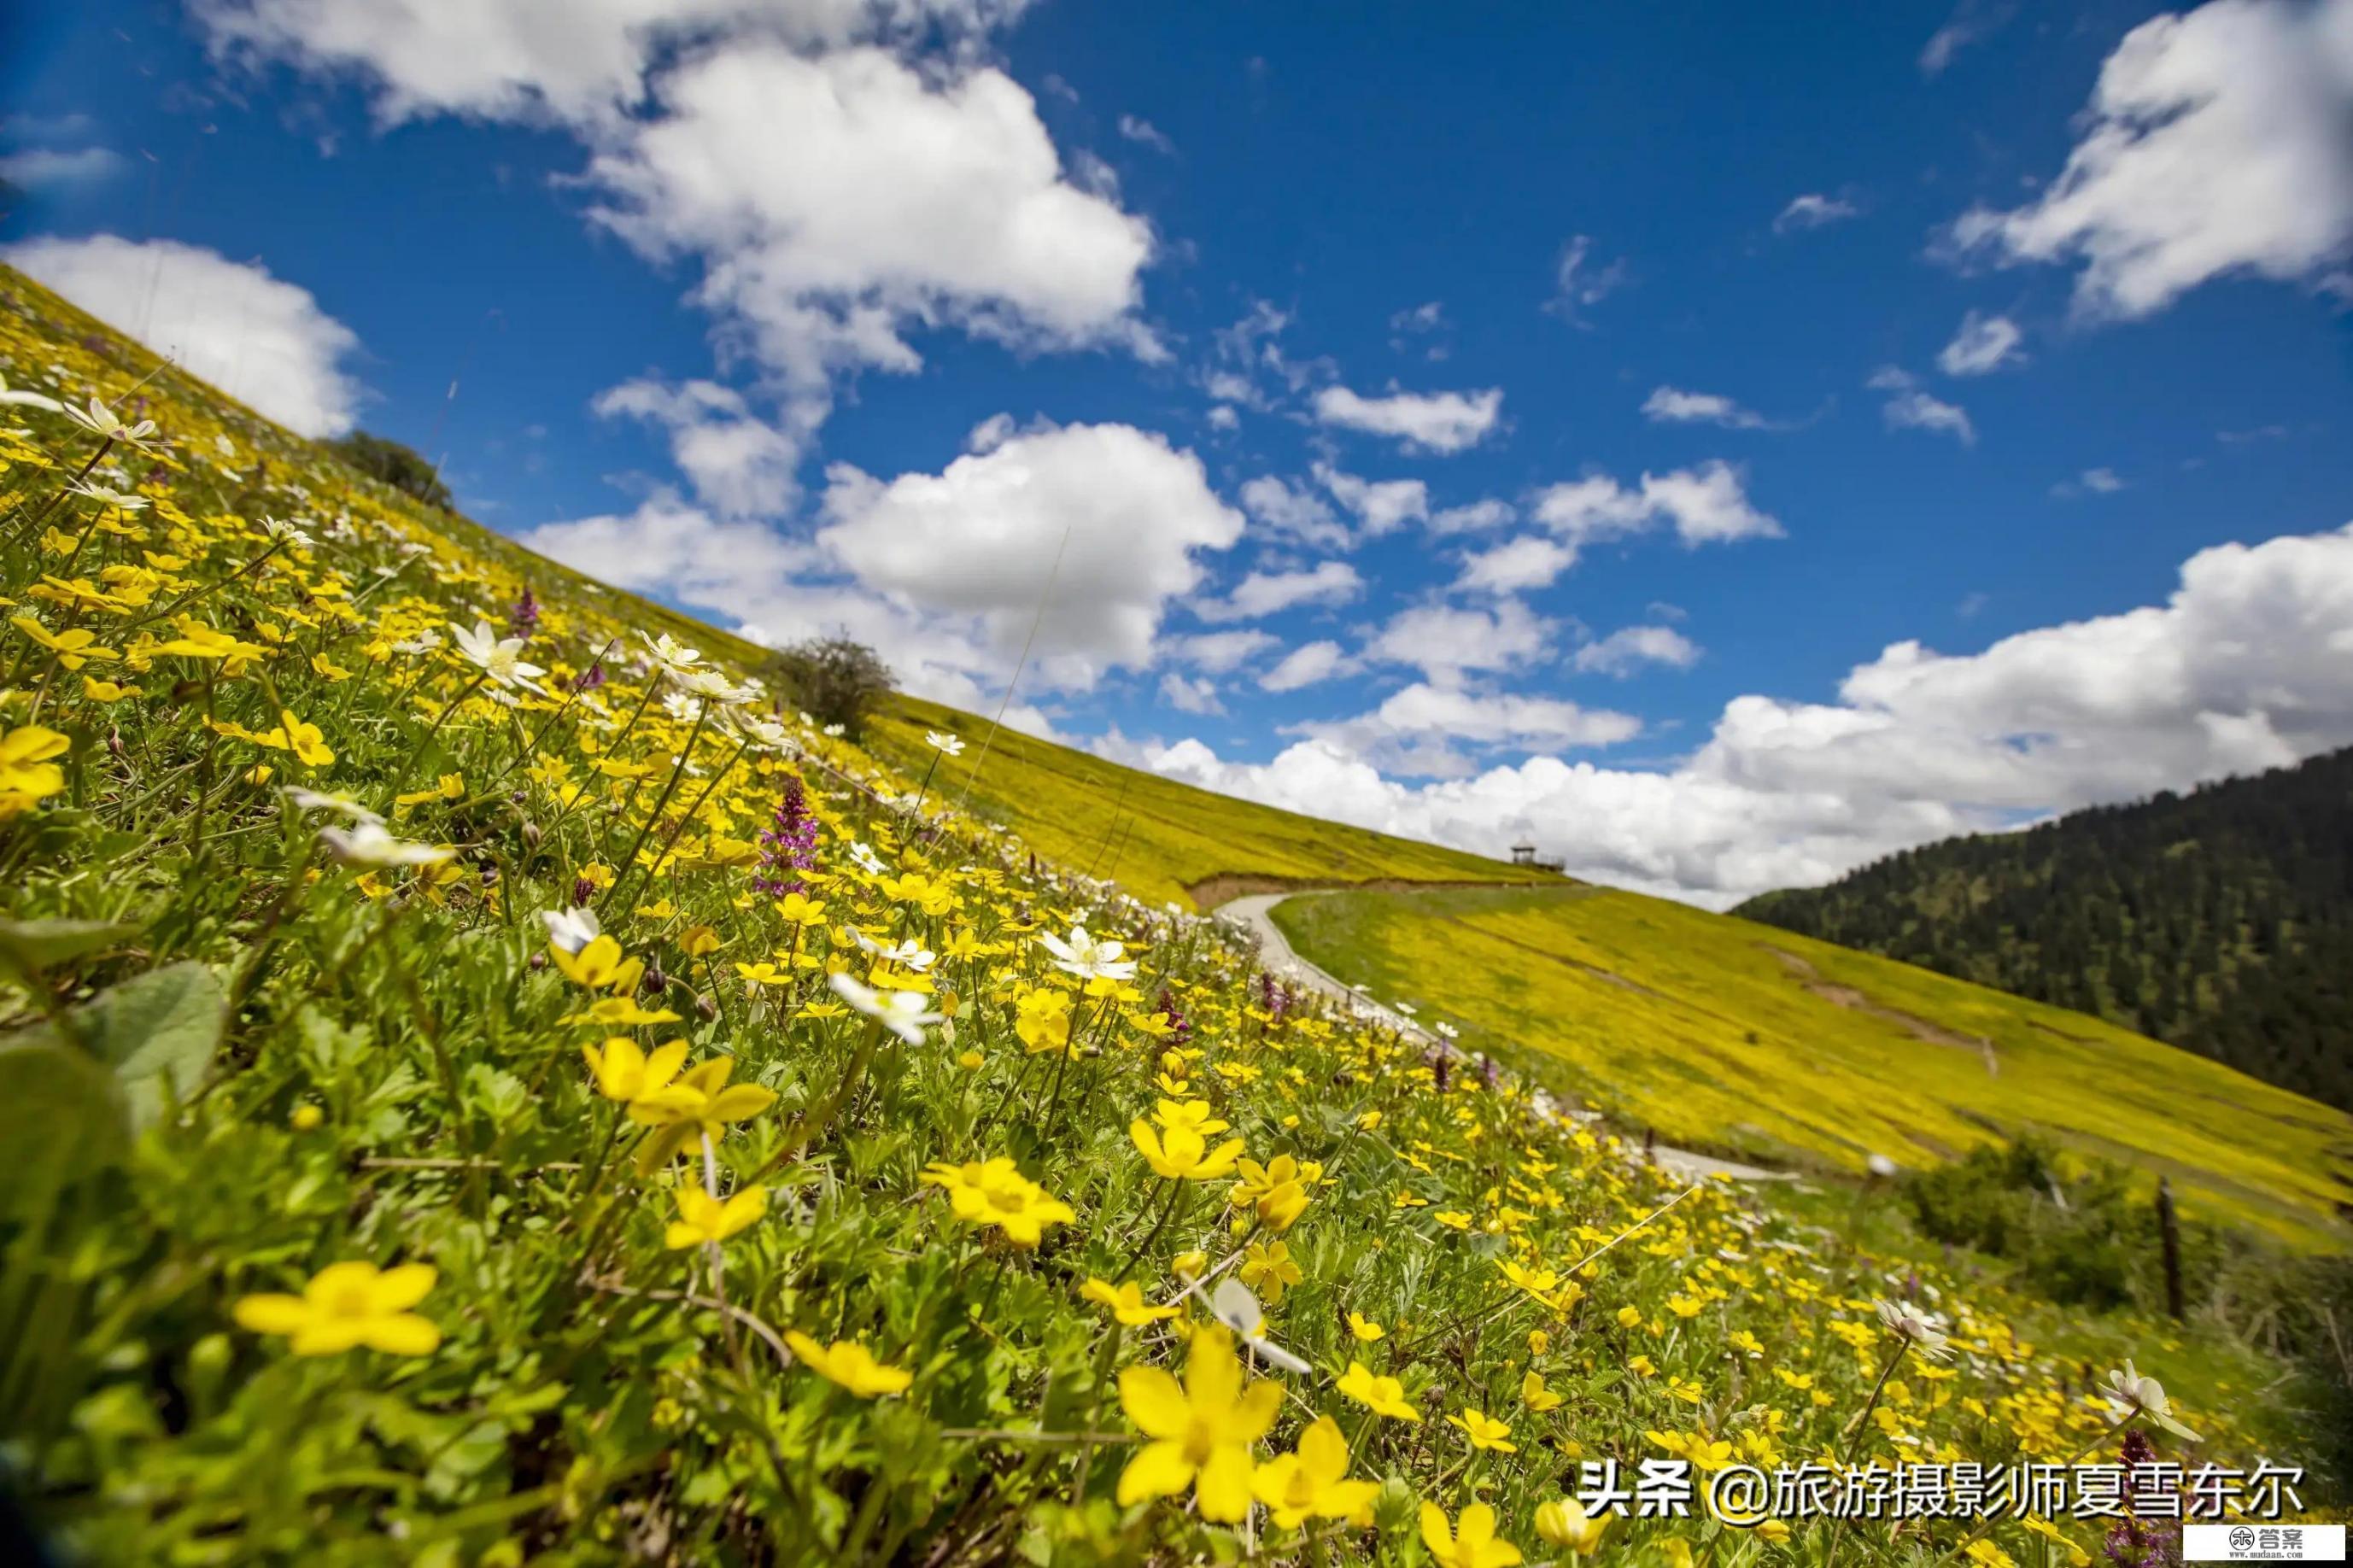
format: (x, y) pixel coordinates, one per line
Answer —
(2220, 920)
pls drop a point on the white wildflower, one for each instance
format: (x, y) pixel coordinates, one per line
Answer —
(671, 654)
(1235, 1306)
(900, 1012)
(1907, 1324)
(101, 420)
(1087, 958)
(367, 844)
(500, 658)
(2129, 1393)
(571, 930)
(317, 800)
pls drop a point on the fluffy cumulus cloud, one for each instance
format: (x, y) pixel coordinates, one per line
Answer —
(1704, 505)
(1114, 514)
(739, 464)
(585, 61)
(836, 200)
(2240, 669)
(1437, 422)
(2216, 142)
(1266, 593)
(1306, 664)
(36, 168)
(1221, 653)
(1089, 533)
(1190, 693)
(841, 171)
(1911, 407)
(1672, 406)
(263, 341)
(1517, 565)
(1983, 344)
(1381, 506)
(1627, 649)
(1444, 641)
(1294, 513)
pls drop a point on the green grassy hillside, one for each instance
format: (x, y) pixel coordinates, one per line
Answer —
(1722, 1032)
(1154, 836)
(2220, 920)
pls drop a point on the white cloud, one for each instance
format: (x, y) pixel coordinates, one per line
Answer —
(2216, 142)
(1141, 131)
(836, 200)
(1382, 506)
(1124, 513)
(2238, 671)
(1190, 694)
(1814, 210)
(1221, 653)
(1708, 504)
(1262, 593)
(945, 573)
(1422, 422)
(834, 195)
(1473, 517)
(1306, 666)
(1971, 22)
(35, 167)
(1578, 283)
(738, 464)
(1919, 410)
(1909, 408)
(1444, 641)
(1983, 344)
(1297, 514)
(990, 433)
(2091, 481)
(1671, 406)
(1428, 730)
(1627, 648)
(1499, 718)
(585, 61)
(1531, 561)
(262, 339)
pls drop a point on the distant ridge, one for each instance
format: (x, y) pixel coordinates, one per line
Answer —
(2220, 920)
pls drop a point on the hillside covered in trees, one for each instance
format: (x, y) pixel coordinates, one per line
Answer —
(2220, 920)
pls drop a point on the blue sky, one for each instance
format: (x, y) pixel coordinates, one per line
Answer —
(1595, 394)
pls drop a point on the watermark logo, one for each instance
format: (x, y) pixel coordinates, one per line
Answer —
(2263, 1543)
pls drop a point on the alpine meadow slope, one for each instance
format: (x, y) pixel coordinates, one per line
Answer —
(488, 1083)
(1722, 1033)
(2220, 920)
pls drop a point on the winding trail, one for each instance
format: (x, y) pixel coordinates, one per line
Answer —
(1254, 911)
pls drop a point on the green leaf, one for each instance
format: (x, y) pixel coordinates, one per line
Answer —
(31, 946)
(62, 1118)
(164, 1024)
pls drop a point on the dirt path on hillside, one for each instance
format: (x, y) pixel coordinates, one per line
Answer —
(1911, 1023)
(1254, 911)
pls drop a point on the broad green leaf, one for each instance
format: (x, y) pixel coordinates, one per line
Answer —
(31, 946)
(62, 1117)
(165, 1023)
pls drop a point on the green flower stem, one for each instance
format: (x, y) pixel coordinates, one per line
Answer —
(1175, 1198)
(400, 779)
(814, 1127)
(612, 900)
(1105, 1359)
